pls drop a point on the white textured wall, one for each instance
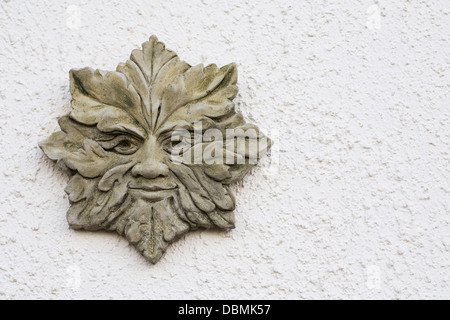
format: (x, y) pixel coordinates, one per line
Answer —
(361, 205)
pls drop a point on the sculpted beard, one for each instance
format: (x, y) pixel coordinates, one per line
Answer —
(149, 213)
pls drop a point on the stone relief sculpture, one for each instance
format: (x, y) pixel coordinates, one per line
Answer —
(137, 147)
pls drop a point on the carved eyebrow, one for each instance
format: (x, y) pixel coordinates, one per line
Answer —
(117, 128)
(109, 119)
(172, 126)
(115, 140)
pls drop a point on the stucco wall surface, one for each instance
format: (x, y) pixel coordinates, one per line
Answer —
(357, 94)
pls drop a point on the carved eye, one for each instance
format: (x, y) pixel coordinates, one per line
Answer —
(125, 147)
(122, 145)
(176, 141)
(169, 145)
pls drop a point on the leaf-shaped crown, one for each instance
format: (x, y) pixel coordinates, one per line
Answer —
(150, 88)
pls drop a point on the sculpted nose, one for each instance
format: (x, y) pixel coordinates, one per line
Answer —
(150, 161)
(150, 169)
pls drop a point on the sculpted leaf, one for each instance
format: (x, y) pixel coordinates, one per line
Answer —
(118, 144)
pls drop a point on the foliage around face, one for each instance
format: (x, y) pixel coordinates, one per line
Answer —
(117, 143)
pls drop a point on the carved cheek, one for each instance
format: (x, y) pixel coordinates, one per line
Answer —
(93, 161)
(115, 174)
(89, 159)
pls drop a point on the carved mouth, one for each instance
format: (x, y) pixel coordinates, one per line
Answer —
(152, 187)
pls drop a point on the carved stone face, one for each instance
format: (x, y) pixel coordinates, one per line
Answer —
(118, 145)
